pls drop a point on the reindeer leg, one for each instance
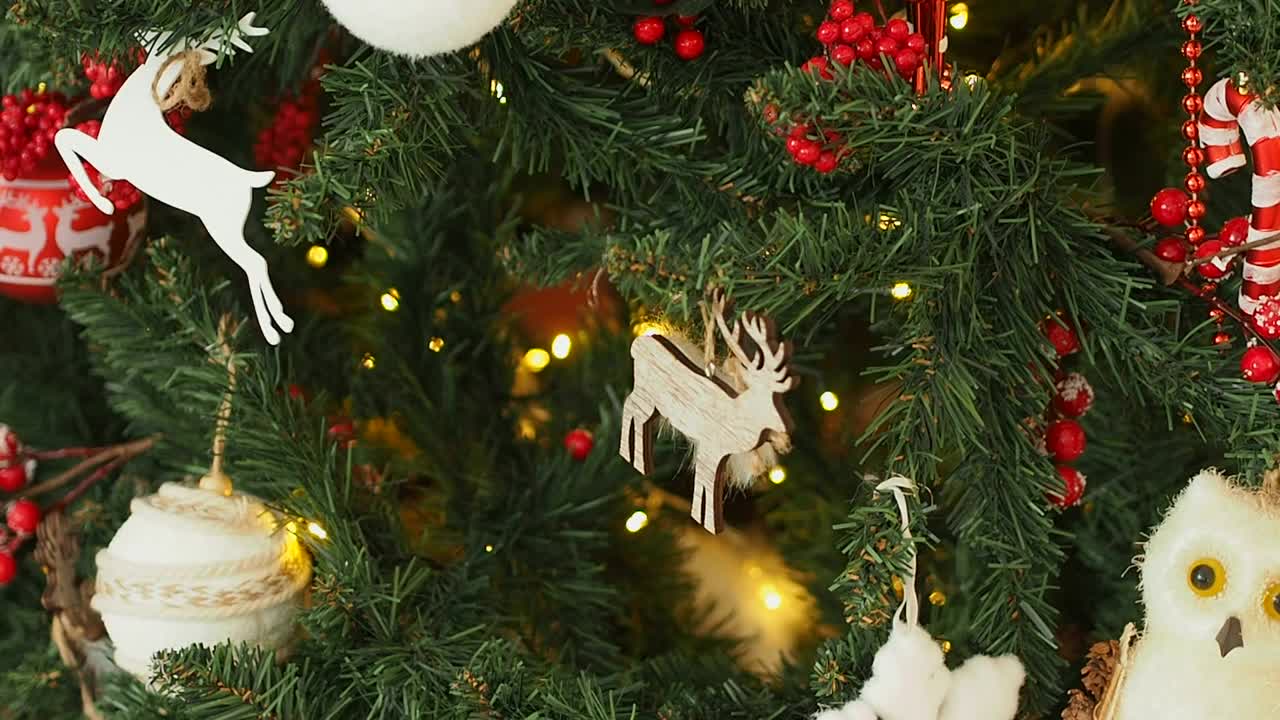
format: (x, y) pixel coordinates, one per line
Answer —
(73, 145)
(274, 305)
(708, 492)
(637, 428)
(228, 233)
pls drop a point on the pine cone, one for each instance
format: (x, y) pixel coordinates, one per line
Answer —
(1079, 707)
(1101, 665)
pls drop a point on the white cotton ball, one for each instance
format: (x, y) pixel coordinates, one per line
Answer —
(419, 28)
(856, 710)
(985, 688)
(909, 677)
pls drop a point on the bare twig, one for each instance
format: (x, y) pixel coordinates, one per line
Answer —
(126, 451)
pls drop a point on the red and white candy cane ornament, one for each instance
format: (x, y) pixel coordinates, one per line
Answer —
(1230, 108)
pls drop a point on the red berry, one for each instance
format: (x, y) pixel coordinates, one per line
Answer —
(1065, 440)
(8, 568)
(1169, 207)
(794, 143)
(851, 30)
(887, 46)
(866, 47)
(1266, 318)
(868, 22)
(1063, 336)
(841, 10)
(898, 29)
(579, 443)
(915, 42)
(342, 430)
(1234, 232)
(1171, 249)
(826, 163)
(690, 44)
(1074, 396)
(23, 517)
(808, 153)
(818, 64)
(1073, 486)
(13, 478)
(906, 61)
(828, 32)
(1221, 339)
(648, 30)
(1260, 365)
(1217, 268)
(843, 54)
(687, 21)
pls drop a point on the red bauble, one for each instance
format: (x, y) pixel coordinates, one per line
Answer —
(23, 517)
(1266, 318)
(1171, 249)
(42, 223)
(10, 445)
(841, 10)
(690, 44)
(1074, 396)
(648, 30)
(1169, 207)
(1234, 232)
(13, 478)
(1065, 440)
(1063, 336)
(1260, 365)
(829, 32)
(579, 443)
(8, 568)
(1073, 486)
(1216, 269)
(826, 163)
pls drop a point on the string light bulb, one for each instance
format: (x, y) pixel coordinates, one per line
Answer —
(637, 521)
(317, 256)
(436, 344)
(959, 16)
(496, 89)
(647, 327)
(536, 359)
(391, 300)
(901, 291)
(829, 401)
(888, 221)
(561, 346)
(488, 548)
(778, 475)
(319, 532)
(368, 362)
(772, 598)
(937, 598)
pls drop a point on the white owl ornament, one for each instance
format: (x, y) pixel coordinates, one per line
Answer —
(1211, 587)
(419, 28)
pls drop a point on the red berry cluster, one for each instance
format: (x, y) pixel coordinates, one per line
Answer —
(106, 78)
(287, 140)
(122, 194)
(689, 43)
(1171, 208)
(849, 36)
(579, 443)
(22, 517)
(819, 149)
(28, 122)
(1064, 437)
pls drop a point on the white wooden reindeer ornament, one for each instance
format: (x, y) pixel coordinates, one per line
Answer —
(136, 144)
(720, 420)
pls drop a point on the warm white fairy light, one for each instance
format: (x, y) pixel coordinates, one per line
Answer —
(368, 362)
(496, 89)
(317, 256)
(391, 300)
(536, 359)
(778, 475)
(561, 346)
(901, 291)
(315, 529)
(959, 16)
(772, 598)
(637, 522)
(829, 401)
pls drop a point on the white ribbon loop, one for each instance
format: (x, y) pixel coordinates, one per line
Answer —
(909, 610)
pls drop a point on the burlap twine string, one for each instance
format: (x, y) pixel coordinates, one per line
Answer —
(189, 89)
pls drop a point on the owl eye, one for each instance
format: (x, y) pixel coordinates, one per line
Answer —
(1207, 577)
(1271, 601)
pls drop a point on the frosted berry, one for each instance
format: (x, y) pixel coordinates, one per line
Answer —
(10, 445)
(898, 29)
(8, 568)
(648, 30)
(1063, 336)
(840, 10)
(1065, 440)
(1073, 487)
(1266, 318)
(1171, 249)
(1214, 269)
(23, 517)
(1169, 207)
(13, 478)
(690, 44)
(1074, 396)
(1260, 365)
(579, 443)
(829, 32)
(1234, 232)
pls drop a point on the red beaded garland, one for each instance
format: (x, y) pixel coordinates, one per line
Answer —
(1221, 339)
(1192, 24)
(1191, 49)
(1192, 77)
(1194, 182)
(1193, 156)
(1195, 235)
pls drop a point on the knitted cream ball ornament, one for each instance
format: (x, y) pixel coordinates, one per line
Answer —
(419, 28)
(198, 566)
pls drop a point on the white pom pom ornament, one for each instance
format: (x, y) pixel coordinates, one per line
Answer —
(195, 566)
(418, 28)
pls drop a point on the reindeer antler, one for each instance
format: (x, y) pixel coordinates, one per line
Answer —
(771, 363)
(721, 307)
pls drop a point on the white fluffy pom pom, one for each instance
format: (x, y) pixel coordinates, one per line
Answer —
(419, 28)
(984, 688)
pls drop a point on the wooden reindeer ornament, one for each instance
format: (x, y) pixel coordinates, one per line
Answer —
(721, 420)
(136, 144)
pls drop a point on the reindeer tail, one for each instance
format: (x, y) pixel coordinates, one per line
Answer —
(261, 179)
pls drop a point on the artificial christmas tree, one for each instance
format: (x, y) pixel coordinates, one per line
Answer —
(949, 219)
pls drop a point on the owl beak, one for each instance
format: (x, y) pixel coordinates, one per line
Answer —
(1231, 636)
